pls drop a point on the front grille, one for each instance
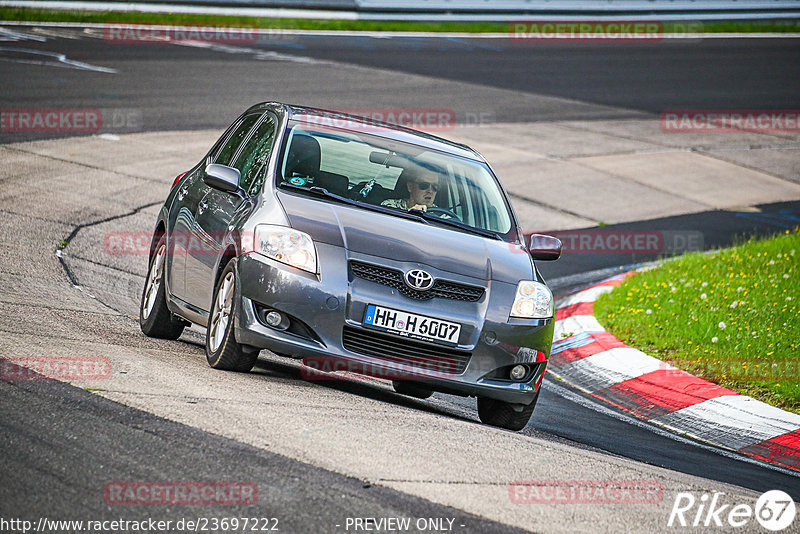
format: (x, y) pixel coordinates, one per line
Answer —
(405, 351)
(394, 278)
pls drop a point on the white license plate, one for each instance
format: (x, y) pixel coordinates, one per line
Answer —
(412, 325)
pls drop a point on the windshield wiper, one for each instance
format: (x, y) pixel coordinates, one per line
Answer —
(318, 191)
(461, 226)
(322, 192)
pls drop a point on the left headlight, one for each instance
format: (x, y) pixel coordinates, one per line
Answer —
(533, 301)
(286, 245)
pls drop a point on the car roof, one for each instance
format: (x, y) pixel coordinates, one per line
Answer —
(394, 132)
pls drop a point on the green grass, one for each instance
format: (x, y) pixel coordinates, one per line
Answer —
(731, 316)
(51, 15)
(43, 15)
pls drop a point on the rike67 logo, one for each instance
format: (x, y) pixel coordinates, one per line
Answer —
(774, 510)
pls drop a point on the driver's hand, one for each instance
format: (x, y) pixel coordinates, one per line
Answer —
(421, 207)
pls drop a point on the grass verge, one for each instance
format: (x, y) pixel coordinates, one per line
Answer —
(182, 19)
(52, 15)
(731, 316)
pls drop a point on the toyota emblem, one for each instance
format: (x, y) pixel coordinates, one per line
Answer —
(419, 280)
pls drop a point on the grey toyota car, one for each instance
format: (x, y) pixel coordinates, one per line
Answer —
(359, 246)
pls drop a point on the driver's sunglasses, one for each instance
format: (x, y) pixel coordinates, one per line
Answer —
(423, 186)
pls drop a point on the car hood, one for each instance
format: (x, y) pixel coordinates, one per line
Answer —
(369, 232)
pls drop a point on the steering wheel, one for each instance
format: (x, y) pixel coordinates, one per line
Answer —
(443, 211)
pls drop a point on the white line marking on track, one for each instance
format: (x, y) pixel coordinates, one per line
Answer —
(261, 55)
(61, 60)
(599, 408)
(60, 33)
(11, 35)
(733, 421)
(576, 324)
(610, 367)
(587, 295)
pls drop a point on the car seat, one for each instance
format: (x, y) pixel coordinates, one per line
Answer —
(303, 160)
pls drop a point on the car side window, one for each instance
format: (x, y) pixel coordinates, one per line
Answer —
(255, 152)
(228, 150)
(221, 141)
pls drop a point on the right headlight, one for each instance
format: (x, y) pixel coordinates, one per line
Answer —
(286, 245)
(532, 301)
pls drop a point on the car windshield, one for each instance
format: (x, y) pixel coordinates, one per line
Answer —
(370, 169)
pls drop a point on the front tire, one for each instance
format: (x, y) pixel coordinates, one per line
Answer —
(155, 319)
(222, 350)
(503, 414)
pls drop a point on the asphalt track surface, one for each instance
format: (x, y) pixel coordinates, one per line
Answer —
(650, 77)
(184, 88)
(189, 87)
(94, 440)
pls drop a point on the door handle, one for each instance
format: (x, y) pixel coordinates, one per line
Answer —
(202, 206)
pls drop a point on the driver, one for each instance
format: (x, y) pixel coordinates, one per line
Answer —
(422, 190)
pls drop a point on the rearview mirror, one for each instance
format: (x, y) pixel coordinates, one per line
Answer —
(545, 247)
(222, 177)
(387, 158)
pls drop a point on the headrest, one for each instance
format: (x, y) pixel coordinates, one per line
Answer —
(303, 157)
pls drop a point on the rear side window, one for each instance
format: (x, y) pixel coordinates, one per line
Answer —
(255, 152)
(228, 150)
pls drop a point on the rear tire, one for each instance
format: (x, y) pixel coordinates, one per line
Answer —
(411, 389)
(155, 319)
(502, 414)
(222, 350)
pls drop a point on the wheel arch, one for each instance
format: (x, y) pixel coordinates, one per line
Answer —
(230, 253)
(161, 229)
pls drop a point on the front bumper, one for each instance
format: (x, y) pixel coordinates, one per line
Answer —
(322, 306)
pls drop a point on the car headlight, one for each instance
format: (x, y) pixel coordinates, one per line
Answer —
(286, 245)
(533, 301)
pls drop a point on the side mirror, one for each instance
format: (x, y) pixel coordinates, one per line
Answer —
(222, 177)
(545, 247)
